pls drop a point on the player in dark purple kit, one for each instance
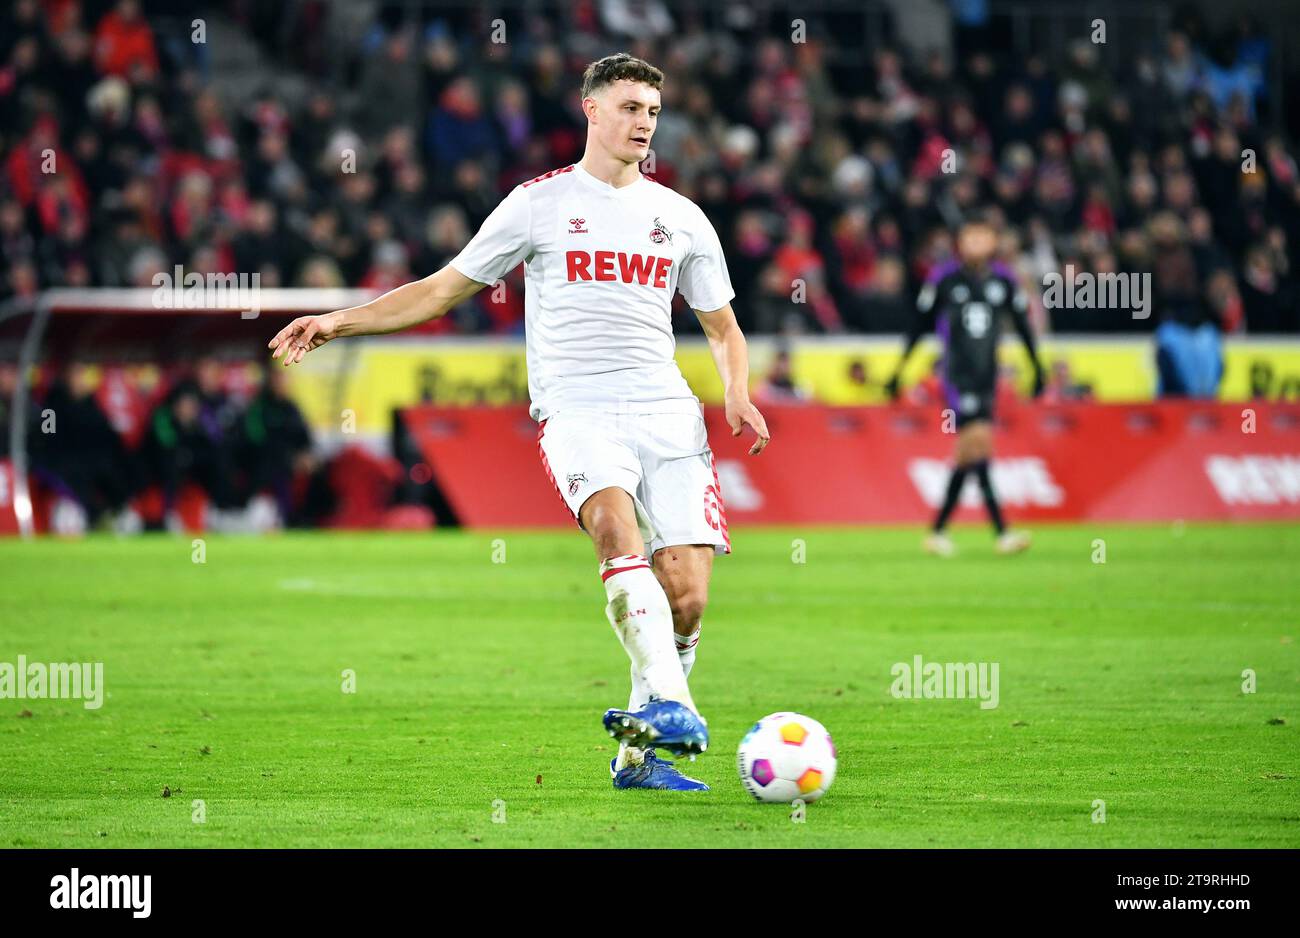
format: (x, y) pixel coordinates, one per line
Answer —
(962, 303)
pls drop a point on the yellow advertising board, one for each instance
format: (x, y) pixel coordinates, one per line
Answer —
(356, 385)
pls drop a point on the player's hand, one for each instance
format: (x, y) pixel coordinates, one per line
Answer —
(743, 413)
(891, 388)
(302, 335)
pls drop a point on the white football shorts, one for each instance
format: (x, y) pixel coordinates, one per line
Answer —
(662, 460)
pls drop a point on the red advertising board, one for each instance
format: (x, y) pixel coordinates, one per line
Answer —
(859, 465)
(1132, 462)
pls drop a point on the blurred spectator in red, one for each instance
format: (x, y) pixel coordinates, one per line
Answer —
(1225, 301)
(802, 266)
(124, 44)
(191, 209)
(1061, 386)
(389, 268)
(928, 391)
(1097, 214)
(37, 160)
(854, 252)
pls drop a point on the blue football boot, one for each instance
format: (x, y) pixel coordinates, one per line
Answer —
(654, 772)
(660, 724)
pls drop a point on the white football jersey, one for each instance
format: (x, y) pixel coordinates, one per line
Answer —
(602, 266)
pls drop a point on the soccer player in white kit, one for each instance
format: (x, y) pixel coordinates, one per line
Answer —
(620, 433)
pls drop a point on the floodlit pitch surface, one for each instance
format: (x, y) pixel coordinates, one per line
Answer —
(479, 685)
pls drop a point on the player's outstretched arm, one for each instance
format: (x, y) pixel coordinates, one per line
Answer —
(731, 356)
(398, 309)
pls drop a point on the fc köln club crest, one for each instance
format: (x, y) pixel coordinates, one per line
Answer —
(660, 233)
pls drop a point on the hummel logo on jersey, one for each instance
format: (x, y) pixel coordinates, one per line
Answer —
(577, 224)
(659, 232)
(629, 268)
(575, 480)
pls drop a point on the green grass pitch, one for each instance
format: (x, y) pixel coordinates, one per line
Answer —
(481, 683)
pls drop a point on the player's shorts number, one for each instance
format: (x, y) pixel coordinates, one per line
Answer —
(711, 510)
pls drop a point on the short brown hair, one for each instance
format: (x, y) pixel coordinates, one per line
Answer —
(617, 67)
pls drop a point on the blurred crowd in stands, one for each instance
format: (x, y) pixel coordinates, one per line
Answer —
(400, 145)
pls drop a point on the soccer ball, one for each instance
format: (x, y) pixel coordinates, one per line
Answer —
(786, 756)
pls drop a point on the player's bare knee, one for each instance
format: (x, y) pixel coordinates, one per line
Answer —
(613, 539)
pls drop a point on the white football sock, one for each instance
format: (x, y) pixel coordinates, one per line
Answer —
(686, 650)
(643, 621)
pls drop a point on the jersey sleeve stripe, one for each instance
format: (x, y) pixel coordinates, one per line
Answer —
(555, 172)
